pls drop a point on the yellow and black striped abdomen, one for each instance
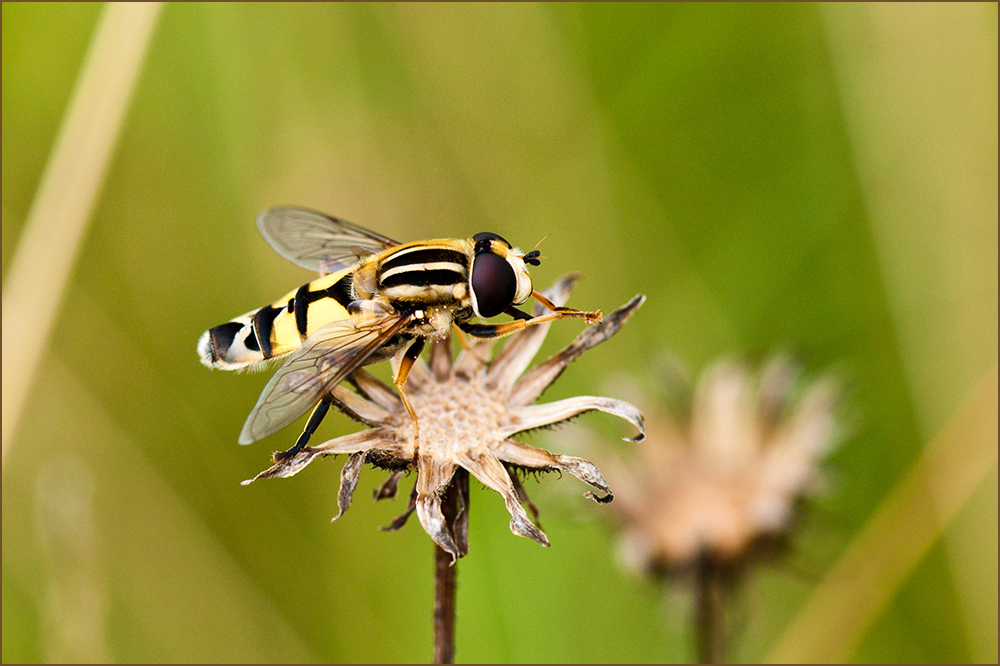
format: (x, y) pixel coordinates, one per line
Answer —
(277, 329)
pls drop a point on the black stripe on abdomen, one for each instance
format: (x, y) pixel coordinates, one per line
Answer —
(302, 301)
(222, 338)
(340, 291)
(263, 322)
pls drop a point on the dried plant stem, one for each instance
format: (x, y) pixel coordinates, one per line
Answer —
(710, 611)
(445, 569)
(444, 607)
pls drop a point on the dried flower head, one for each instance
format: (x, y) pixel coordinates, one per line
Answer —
(469, 409)
(725, 476)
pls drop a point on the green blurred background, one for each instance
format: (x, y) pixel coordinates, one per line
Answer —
(820, 178)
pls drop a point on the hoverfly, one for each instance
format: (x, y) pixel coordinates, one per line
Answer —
(375, 298)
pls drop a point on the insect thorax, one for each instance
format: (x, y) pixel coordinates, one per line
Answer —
(417, 275)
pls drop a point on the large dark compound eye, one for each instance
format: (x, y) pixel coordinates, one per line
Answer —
(493, 284)
(488, 236)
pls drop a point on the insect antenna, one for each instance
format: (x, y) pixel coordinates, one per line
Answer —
(534, 257)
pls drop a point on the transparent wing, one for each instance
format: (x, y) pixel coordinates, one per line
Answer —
(317, 241)
(325, 358)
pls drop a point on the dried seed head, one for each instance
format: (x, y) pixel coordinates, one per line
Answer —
(726, 476)
(468, 410)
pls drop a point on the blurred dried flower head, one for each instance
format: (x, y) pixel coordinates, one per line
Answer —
(724, 476)
(468, 410)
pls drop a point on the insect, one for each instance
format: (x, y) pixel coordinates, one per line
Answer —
(375, 298)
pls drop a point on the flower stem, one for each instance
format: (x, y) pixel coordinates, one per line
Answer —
(710, 611)
(445, 569)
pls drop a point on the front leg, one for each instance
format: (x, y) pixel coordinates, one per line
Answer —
(523, 320)
(591, 317)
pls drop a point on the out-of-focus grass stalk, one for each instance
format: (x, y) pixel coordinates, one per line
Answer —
(57, 222)
(918, 88)
(886, 551)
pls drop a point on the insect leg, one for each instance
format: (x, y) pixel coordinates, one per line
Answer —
(314, 420)
(591, 317)
(518, 314)
(522, 319)
(464, 341)
(409, 357)
(508, 327)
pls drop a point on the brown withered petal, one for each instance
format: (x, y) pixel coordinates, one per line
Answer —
(468, 411)
(527, 389)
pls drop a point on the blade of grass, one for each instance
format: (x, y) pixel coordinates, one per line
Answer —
(57, 222)
(885, 552)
